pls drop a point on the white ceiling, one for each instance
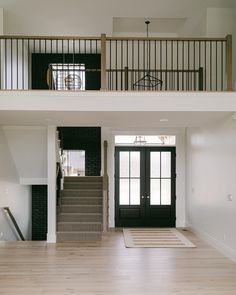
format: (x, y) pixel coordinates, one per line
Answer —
(111, 119)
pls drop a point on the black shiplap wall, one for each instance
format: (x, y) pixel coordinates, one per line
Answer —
(39, 212)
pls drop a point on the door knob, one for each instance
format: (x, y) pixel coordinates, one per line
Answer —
(143, 197)
(148, 197)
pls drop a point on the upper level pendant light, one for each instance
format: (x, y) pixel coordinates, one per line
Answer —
(148, 81)
(140, 140)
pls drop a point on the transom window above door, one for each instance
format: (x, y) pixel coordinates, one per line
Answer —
(145, 140)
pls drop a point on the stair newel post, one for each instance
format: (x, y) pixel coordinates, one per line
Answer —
(103, 62)
(105, 189)
(229, 63)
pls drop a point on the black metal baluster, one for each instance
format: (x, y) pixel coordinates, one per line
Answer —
(183, 44)
(166, 66)
(22, 64)
(188, 74)
(216, 88)
(6, 62)
(121, 61)
(177, 42)
(29, 66)
(133, 59)
(111, 88)
(205, 66)
(161, 62)
(222, 65)
(194, 65)
(155, 61)
(172, 65)
(116, 65)
(1, 64)
(137, 78)
(210, 66)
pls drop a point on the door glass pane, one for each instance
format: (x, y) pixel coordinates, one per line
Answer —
(124, 192)
(155, 196)
(124, 164)
(165, 164)
(166, 192)
(134, 164)
(135, 192)
(154, 164)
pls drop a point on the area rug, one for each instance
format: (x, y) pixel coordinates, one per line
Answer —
(155, 238)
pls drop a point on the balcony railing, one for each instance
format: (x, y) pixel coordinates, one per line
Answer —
(115, 64)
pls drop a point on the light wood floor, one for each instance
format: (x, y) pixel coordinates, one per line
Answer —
(110, 268)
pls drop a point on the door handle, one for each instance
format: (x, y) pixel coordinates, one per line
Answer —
(142, 197)
(148, 197)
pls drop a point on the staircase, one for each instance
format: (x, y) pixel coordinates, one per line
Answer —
(80, 209)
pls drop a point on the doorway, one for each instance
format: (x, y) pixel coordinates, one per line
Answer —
(145, 180)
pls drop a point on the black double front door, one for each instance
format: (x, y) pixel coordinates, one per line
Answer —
(145, 186)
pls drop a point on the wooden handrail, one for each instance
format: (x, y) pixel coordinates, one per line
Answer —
(164, 39)
(110, 38)
(50, 37)
(105, 189)
(7, 210)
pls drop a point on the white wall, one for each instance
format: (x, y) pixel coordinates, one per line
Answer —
(1, 21)
(109, 135)
(12, 195)
(211, 162)
(78, 17)
(219, 22)
(28, 147)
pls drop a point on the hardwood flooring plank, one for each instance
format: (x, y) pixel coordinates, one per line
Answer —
(108, 268)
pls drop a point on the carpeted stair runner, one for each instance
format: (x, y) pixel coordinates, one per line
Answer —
(80, 209)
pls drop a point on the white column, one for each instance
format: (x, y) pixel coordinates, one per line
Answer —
(51, 235)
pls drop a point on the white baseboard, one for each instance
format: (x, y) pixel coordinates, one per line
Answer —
(220, 246)
(51, 238)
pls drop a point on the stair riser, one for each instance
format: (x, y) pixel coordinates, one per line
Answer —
(76, 185)
(73, 237)
(80, 201)
(79, 227)
(98, 179)
(81, 193)
(80, 209)
(79, 218)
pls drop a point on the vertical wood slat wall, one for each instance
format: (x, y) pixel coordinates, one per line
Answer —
(180, 64)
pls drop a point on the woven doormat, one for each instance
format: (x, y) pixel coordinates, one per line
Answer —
(155, 238)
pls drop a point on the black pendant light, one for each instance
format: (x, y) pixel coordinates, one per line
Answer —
(148, 81)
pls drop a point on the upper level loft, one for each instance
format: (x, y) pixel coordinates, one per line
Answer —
(115, 63)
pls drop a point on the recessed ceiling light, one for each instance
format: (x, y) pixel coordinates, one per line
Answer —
(164, 120)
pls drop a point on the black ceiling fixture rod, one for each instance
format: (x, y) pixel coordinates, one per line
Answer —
(148, 81)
